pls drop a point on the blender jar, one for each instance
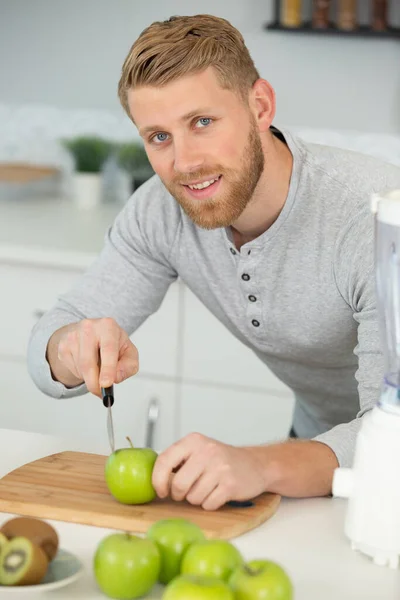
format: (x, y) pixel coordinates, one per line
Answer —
(387, 240)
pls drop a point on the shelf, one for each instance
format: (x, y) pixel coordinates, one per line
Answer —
(390, 33)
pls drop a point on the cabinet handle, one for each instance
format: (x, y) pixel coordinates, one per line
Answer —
(152, 416)
(38, 314)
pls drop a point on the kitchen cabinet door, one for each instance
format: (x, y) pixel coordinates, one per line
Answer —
(157, 338)
(235, 417)
(26, 292)
(30, 290)
(24, 407)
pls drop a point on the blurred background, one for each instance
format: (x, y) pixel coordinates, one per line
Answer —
(61, 64)
(70, 158)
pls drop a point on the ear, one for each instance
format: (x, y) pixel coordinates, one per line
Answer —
(263, 104)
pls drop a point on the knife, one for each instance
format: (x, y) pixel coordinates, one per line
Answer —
(107, 395)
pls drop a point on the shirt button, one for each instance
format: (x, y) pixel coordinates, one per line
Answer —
(252, 298)
(233, 250)
(255, 323)
(245, 277)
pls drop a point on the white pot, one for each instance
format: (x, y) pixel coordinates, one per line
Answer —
(87, 190)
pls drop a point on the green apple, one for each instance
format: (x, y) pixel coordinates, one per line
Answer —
(173, 537)
(261, 580)
(211, 558)
(126, 566)
(193, 587)
(128, 474)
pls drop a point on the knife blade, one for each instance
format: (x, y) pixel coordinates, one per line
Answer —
(108, 400)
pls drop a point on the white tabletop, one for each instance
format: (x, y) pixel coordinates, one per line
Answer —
(305, 536)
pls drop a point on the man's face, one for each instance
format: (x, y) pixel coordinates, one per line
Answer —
(203, 142)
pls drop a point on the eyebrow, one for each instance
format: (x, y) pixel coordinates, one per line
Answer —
(187, 117)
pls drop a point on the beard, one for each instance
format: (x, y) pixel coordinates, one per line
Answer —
(227, 205)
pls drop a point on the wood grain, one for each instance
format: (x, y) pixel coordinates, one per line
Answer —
(70, 486)
(25, 173)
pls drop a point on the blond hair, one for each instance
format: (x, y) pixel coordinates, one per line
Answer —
(167, 50)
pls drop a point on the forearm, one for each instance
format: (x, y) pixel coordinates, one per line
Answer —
(58, 370)
(297, 468)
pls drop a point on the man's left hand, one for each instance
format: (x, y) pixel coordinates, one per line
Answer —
(207, 473)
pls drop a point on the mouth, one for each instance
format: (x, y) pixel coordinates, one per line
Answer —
(204, 189)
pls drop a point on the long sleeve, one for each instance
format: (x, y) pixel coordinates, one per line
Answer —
(354, 269)
(127, 281)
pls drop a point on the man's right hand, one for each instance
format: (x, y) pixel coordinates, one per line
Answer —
(96, 352)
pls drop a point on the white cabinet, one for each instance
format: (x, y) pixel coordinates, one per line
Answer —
(235, 417)
(202, 377)
(84, 418)
(30, 289)
(27, 291)
(227, 392)
(157, 338)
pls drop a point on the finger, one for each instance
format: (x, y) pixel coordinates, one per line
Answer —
(109, 352)
(128, 363)
(217, 498)
(88, 357)
(202, 488)
(67, 358)
(68, 352)
(165, 464)
(73, 361)
(186, 477)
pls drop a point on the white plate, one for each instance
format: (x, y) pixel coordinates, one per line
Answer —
(64, 569)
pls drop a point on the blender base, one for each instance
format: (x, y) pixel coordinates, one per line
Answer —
(382, 559)
(372, 487)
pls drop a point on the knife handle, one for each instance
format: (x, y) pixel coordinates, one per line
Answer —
(108, 396)
(240, 503)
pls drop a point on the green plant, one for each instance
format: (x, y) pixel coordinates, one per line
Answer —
(89, 152)
(132, 157)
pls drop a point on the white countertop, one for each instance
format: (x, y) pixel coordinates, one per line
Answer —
(53, 231)
(305, 536)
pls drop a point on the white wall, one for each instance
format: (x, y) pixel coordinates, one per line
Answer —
(69, 54)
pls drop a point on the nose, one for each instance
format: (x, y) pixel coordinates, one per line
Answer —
(188, 157)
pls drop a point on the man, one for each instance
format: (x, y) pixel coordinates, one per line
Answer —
(274, 236)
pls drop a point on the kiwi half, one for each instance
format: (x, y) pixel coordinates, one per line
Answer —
(3, 542)
(22, 563)
(39, 532)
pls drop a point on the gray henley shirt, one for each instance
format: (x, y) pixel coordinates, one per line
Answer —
(314, 321)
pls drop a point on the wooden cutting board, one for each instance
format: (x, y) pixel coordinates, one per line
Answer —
(70, 486)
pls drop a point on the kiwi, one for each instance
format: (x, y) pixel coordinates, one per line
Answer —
(22, 563)
(3, 542)
(39, 532)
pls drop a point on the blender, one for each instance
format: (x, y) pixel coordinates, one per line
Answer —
(372, 485)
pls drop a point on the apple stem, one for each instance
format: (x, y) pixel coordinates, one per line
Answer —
(251, 571)
(129, 440)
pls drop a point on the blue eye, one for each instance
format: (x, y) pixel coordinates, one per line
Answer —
(160, 137)
(204, 121)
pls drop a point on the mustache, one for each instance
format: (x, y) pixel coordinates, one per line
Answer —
(185, 178)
